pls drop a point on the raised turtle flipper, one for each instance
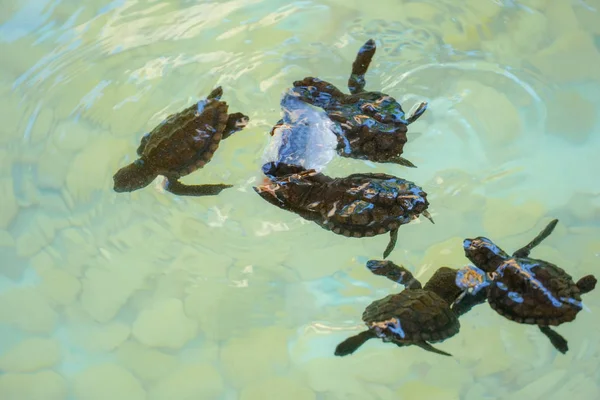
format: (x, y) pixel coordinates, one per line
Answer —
(428, 347)
(216, 93)
(235, 122)
(356, 82)
(352, 344)
(181, 189)
(395, 273)
(559, 342)
(524, 251)
(416, 114)
(587, 284)
(392, 243)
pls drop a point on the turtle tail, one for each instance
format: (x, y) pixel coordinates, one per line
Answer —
(587, 284)
(352, 344)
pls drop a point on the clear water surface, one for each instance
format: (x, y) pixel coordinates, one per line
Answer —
(153, 296)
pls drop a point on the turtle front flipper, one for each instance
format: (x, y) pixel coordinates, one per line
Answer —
(235, 122)
(559, 342)
(428, 347)
(393, 272)
(317, 92)
(392, 243)
(356, 82)
(467, 301)
(181, 189)
(416, 114)
(352, 344)
(524, 251)
(587, 284)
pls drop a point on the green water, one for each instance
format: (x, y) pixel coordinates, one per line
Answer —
(152, 296)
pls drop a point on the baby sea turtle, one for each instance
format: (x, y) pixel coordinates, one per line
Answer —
(528, 290)
(416, 316)
(359, 205)
(371, 125)
(181, 144)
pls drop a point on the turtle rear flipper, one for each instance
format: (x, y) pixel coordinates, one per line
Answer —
(559, 342)
(587, 284)
(416, 114)
(402, 161)
(181, 189)
(524, 251)
(392, 243)
(356, 82)
(352, 344)
(428, 347)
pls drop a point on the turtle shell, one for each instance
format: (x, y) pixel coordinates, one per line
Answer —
(531, 291)
(412, 315)
(362, 205)
(187, 140)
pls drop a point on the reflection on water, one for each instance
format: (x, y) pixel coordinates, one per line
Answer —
(153, 296)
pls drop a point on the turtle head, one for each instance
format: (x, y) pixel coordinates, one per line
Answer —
(484, 253)
(134, 176)
(471, 279)
(444, 284)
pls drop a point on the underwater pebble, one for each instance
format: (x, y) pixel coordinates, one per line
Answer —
(93, 167)
(449, 375)
(561, 18)
(421, 390)
(259, 354)
(147, 364)
(105, 291)
(42, 126)
(100, 338)
(528, 32)
(497, 116)
(501, 217)
(579, 387)
(275, 387)
(60, 286)
(27, 309)
(539, 387)
(31, 355)
(164, 325)
(72, 136)
(370, 365)
(107, 381)
(45, 385)
(190, 382)
(575, 130)
(447, 253)
(573, 57)
(52, 168)
(10, 207)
